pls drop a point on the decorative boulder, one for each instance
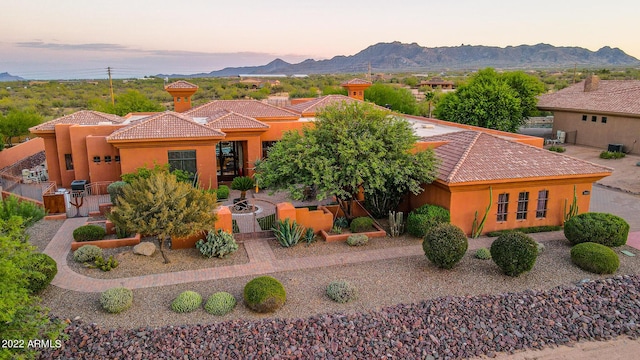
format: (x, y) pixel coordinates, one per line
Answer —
(145, 248)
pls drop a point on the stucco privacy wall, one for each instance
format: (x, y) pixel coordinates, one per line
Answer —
(88, 141)
(314, 219)
(23, 150)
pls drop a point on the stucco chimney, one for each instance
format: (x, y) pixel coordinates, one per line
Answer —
(181, 91)
(591, 83)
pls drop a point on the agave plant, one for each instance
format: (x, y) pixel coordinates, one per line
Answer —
(244, 184)
(287, 233)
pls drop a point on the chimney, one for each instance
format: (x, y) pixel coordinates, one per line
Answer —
(181, 91)
(591, 83)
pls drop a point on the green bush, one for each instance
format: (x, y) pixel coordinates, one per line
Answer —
(187, 301)
(222, 192)
(526, 230)
(42, 269)
(558, 149)
(309, 235)
(86, 253)
(341, 291)
(218, 243)
(426, 217)
(357, 240)
(89, 233)
(445, 245)
(115, 190)
(361, 224)
(106, 265)
(264, 294)
(287, 233)
(595, 258)
(600, 228)
(514, 252)
(116, 300)
(28, 211)
(483, 254)
(612, 155)
(220, 303)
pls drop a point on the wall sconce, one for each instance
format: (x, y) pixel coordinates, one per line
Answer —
(586, 192)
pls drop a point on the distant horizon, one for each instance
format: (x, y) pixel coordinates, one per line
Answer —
(41, 39)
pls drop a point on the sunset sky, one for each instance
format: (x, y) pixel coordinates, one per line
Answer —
(79, 39)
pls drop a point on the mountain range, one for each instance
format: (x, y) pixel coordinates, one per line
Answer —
(5, 76)
(399, 57)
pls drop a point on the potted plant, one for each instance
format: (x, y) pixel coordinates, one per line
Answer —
(244, 184)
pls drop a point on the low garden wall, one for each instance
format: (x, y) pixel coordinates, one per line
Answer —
(223, 222)
(379, 232)
(318, 220)
(109, 243)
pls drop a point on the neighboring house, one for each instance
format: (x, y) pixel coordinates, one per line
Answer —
(221, 139)
(597, 113)
(438, 83)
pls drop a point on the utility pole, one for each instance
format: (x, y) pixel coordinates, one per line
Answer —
(113, 100)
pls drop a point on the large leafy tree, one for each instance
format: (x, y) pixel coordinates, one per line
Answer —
(21, 316)
(350, 146)
(131, 101)
(162, 206)
(492, 100)
(395, 98)
(17, 123)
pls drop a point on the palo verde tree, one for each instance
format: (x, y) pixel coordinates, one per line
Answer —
(492, 100)
(350, 146)
(162, 206)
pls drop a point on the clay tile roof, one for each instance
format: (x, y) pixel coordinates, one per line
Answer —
(181, 84)
(82, 117)
(611, 96)
(356, 82)
(230, 120)
(167, 125)
(471, 156)
(252, 108)
(315, 105)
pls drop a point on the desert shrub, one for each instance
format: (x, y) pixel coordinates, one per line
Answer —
(42, 270)
(483, 254)
(600, 228)
(187, 301)
(514, 252)
(361, 224)
(116, 300)
(336, 230)
(357, 240)
(264, 294)
(115, 190)
(287, 233)
(595, 258)
(222, 192)
(558, 149)
(445, 245)
(341, 291)
(89, 233)
(426, 217)
(540, 247)
(86, 253)
(526, 230)
(341, 222)
(309, 235)
(28, 211)
(220, 303)
(105, 265)
(218, 243)
(611, 155)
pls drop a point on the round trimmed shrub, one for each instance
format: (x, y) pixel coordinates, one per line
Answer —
(445, 245)
(483, 254)
(422, 219)
(89, 233)
(341, 291)
(116, 300)
(264, 294)
(86, 253)
(45, 269)
(222, 192)
(514, 253)
(600, 228)
(361, 224)
(187, 301)
(595, 258)
(357, 240)
(220, 303)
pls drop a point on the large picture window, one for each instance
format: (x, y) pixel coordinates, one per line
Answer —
(543, 198)
(523, 205)
(184, 160)
(503, 205)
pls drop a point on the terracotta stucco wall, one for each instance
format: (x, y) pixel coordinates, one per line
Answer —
(53, 162)
(616, 130)
(277, 129)
(63, 141)
(83, 155)
(314, 219)
(16, 153)
(102, 171)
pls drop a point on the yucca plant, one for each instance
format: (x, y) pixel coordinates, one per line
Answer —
(244, 184)
(287, 233)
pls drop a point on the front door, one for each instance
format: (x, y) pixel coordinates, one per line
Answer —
(230, 159)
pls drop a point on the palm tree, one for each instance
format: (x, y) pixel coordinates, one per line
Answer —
(244, 184)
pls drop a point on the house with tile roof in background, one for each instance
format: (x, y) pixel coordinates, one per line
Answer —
(221, 139)
(597, 113)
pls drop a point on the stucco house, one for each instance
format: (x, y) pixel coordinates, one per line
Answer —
(222, 138)
(597, 113)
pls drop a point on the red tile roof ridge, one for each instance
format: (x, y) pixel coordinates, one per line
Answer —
(219, 105)
(118, 134)
(78, 118)
(356, 81)
(181, 84)
(464, 155)
(229, 113)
